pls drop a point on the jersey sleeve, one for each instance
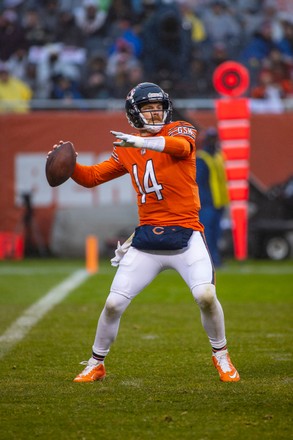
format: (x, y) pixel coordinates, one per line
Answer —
(180, 139)
(93, 175)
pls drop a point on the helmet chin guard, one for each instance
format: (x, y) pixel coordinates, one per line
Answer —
(145, 93)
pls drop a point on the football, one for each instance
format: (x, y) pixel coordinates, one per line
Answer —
(60, 164)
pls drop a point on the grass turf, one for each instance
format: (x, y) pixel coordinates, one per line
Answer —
(161, 383)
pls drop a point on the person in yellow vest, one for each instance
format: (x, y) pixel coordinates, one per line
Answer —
(14, 93)
(211, 179)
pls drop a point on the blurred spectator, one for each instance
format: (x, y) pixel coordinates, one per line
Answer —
(47, 60)
(219, 54)
(202, 70)
(32, 80)
(279, 64)
(35, 32)
(90, 18)
(55, 59)
(124, 81)
(166, 48)
(285, 44)
(251, 18)
(18, 62)
(260, 44)
(271, 14)
(14, 93)
(68, 32)
(124, 29)
(211, 179)
(49, 13)
(123, 55)
(258, 48)
(222, 27)
(95, 81)
(269, 93)
(65, 89)
(119, 9)
(192, 21)
(199, 83)
(11, 34)
(122, 67)
(149, 7)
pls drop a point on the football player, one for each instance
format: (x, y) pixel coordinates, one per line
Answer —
(160, 158)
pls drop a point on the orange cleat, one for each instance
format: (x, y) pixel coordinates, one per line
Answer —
(226, 369)
(93, 371)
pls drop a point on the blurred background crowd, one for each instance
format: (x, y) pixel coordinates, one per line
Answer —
(99, 49)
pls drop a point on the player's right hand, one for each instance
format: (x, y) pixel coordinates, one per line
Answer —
(127, 140)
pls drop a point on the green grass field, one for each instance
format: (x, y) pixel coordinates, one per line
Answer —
(161, 383)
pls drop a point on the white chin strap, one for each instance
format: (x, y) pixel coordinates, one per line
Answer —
(153, 128)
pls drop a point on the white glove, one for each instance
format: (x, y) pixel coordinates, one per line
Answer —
(156, 143)
(121, 251)
(127, 140)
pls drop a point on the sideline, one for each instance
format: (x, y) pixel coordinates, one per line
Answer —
(19, 329)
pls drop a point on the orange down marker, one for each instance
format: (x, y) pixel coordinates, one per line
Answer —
(92, 254)
(231, 80)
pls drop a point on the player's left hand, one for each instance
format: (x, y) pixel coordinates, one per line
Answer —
(127, 140)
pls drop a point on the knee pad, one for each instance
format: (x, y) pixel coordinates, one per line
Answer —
(116, 304)
(204, 295)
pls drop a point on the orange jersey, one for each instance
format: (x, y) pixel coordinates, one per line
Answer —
(167, 193)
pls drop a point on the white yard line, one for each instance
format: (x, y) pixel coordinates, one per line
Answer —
(19, 329)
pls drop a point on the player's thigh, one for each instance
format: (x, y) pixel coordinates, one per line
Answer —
(195, 264)
(136, 270)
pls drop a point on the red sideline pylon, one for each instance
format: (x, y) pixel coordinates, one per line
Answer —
(239, 229)
(234, 133)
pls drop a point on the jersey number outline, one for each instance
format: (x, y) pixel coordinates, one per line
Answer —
(150, 183)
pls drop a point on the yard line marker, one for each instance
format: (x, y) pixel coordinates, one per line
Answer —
(19, 329)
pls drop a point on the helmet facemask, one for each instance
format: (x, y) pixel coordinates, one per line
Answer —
(154, 126)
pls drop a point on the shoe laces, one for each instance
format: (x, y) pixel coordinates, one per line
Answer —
(90, 364)
(223, 360)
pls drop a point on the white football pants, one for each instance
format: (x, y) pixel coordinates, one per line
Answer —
(138, 268)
